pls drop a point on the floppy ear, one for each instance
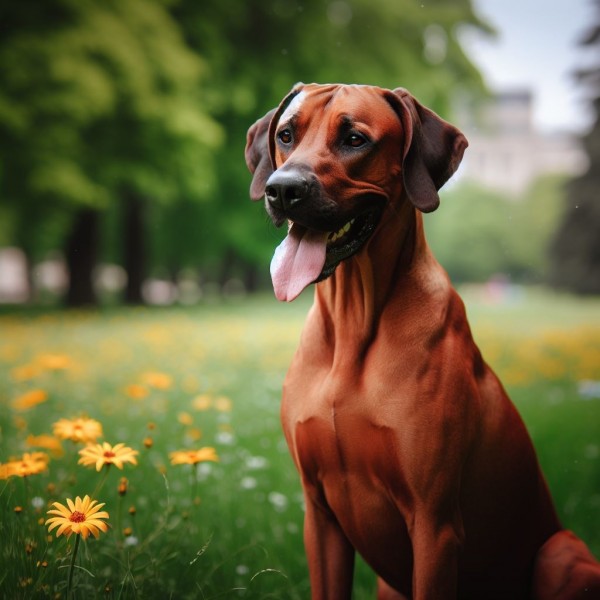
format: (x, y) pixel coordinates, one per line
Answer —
(257, 155)
(433, 150)
(260, 151)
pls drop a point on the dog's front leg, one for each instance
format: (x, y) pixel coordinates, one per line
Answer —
(330, 555)
(435, 549)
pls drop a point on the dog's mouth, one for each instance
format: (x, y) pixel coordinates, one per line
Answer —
(308, 256)
(348, 240)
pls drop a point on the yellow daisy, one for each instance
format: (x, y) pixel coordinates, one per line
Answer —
(155, 379)
(25, 372)
(55, 362)
(202, 402)
(191, 457)
(81, 517)
(185, 418)
(29, 464)
(105, 454)
(136, 391)
(223, 404)
(81, 429)
(49, 442)
(29, 399)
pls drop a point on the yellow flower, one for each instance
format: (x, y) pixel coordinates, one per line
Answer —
(136, 391)
(223, 404)
(29, 464)
(30, 399)
(49, 442)
(202, 402)
(105, 454)
(185, 418)
(25, 372)
(193, 433)
(54, 362)
(123, 484)
(160, 381)
(82, 429)
(81, 517)
(191, 457)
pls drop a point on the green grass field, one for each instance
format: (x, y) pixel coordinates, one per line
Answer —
(161, 380)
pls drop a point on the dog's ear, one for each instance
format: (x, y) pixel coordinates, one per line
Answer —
(432, 150)
(260, 152)
(257, 155)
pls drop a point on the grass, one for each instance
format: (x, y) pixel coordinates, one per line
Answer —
(233, 529)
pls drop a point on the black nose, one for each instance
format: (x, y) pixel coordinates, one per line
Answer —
(284, 190)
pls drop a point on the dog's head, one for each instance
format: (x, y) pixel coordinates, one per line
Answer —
(330, 158)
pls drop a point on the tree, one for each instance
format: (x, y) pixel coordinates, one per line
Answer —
(100, 103)
(575, 251)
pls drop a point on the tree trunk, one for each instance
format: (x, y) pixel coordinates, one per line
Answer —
(251, 278)
(226, 267)
(81, 252)
(134, 250)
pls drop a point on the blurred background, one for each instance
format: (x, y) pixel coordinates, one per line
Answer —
(123, 123)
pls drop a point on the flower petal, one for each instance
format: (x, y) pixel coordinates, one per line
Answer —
(63, 528)
(97, 523)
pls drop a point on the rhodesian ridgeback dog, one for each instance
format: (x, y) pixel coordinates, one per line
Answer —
(409, 450)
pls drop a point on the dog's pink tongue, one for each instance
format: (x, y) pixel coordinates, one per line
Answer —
(297, 261)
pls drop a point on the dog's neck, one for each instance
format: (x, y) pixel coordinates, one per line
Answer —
(387, 275)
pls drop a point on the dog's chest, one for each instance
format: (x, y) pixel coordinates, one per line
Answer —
(350, 464)
(344, 439)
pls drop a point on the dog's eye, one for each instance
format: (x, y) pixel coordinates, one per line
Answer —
(285, 136)
(355, 140)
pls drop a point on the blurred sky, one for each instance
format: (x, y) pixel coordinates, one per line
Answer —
(536, 48)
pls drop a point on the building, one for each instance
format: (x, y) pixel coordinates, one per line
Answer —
(505, 151)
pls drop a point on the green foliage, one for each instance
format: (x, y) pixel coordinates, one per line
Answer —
(477, 233)
(101, 97)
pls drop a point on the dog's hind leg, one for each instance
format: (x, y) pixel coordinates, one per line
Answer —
(566, 570)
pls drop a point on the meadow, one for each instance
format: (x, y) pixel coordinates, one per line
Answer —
(163, 380)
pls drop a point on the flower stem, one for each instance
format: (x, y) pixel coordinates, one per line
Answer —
(100, 483)
(72, 567)
(119, 511)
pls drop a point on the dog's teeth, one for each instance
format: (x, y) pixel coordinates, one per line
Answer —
(333, 237)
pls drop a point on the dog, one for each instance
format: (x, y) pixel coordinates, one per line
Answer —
(408, 448)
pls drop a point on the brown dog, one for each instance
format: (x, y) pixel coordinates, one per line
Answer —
(410, 451)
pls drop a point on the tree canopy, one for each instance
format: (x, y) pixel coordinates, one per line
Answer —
(125, 120)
